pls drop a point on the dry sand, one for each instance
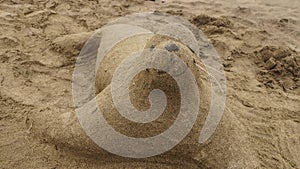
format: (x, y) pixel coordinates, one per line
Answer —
(259, 45)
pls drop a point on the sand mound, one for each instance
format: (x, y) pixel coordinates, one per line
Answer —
(280, 67)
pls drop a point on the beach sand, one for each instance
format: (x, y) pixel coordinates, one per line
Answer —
(259, 44)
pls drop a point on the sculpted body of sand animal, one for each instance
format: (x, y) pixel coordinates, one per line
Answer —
(102, 55)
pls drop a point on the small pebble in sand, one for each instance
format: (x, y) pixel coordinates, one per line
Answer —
(271, 63)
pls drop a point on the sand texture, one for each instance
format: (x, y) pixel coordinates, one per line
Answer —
(258, 43)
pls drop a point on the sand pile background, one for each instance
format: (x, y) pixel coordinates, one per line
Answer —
(258, 43)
